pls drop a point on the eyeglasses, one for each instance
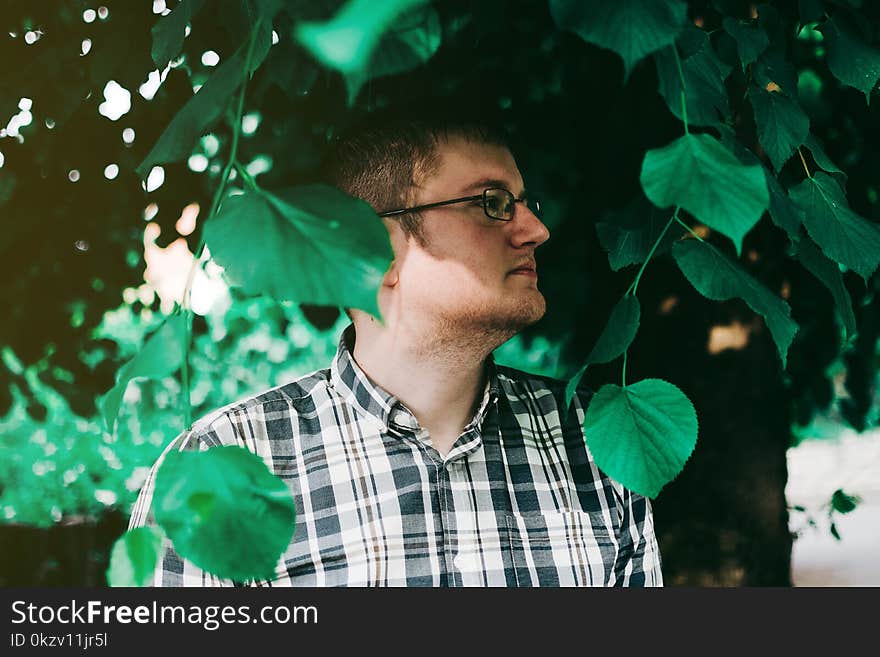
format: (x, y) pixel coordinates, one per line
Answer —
(498, 203)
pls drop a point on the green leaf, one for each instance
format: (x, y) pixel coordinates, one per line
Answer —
(262, 44)
(160, 356)
(717, 277)
(629, 234)
(623, 324)
(852, 61)
(411, 41)
(751, 40)
(843, 503)
(196, 116)
(834, 531)
(699, 174)
(618, 334)
(367, 39)
(291, 70)
(631, 28)
(170, 31)
(823, 161)
(134, 557)
(784, 212)
(703, 73)
(311, 244)
(773, 69)
(828, 273)
(225, 511)
(266, 9)
(843, 235)
(641, 435)
(782, 124)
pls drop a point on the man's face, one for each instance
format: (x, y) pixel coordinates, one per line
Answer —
(475, 274)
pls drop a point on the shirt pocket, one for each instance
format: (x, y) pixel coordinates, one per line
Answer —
(562, 548)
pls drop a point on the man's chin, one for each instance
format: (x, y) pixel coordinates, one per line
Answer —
(522, 315)
(501, 322)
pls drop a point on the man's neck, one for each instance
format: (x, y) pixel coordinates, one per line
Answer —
(439, 379)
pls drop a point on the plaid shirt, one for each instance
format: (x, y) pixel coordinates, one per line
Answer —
(517, 501)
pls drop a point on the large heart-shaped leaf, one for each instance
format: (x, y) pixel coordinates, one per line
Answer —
(311, 244)
(827, 271)
(717, 277)
(134, 557)
(160, 356)
(852, 61)
(843, 235)
(631, 28)
(782, 124)
(704, 74)
(641, 435)
(618, 334)
(224, 511)
(699, 174)
(369, 39)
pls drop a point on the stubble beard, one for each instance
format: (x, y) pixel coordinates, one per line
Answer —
(480, 330)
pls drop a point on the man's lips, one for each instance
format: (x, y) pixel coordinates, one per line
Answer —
(529, 269)
(524, 270)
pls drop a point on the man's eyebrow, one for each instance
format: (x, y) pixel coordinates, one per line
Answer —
(485, 183)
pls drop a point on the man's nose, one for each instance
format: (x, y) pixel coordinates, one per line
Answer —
(528, 228)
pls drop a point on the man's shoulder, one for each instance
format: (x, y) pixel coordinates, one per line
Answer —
(292, 396)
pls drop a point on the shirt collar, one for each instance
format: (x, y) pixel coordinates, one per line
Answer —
(373, 401)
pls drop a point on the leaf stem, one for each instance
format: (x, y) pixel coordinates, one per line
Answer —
(804, 162)
(690, 230)
(248, 178)
(215, 204)
(635, 284)
(684, 111)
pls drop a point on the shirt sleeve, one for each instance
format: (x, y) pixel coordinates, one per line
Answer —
(172, 570)
(638, 559)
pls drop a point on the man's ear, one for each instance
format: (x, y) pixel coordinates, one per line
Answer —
(399, 245)
(392, 275)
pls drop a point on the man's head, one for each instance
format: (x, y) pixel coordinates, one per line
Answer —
(456, 271)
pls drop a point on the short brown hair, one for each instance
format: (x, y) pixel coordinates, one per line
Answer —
(383, 157)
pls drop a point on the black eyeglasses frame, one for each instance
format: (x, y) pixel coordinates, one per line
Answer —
(465, 199)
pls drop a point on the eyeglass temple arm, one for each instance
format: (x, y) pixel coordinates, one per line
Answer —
(430, 205)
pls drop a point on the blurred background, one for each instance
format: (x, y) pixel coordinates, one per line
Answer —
(784, 486)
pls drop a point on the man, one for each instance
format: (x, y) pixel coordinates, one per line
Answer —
(413, 459)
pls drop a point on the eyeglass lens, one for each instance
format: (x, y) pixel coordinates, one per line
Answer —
(501, 204)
